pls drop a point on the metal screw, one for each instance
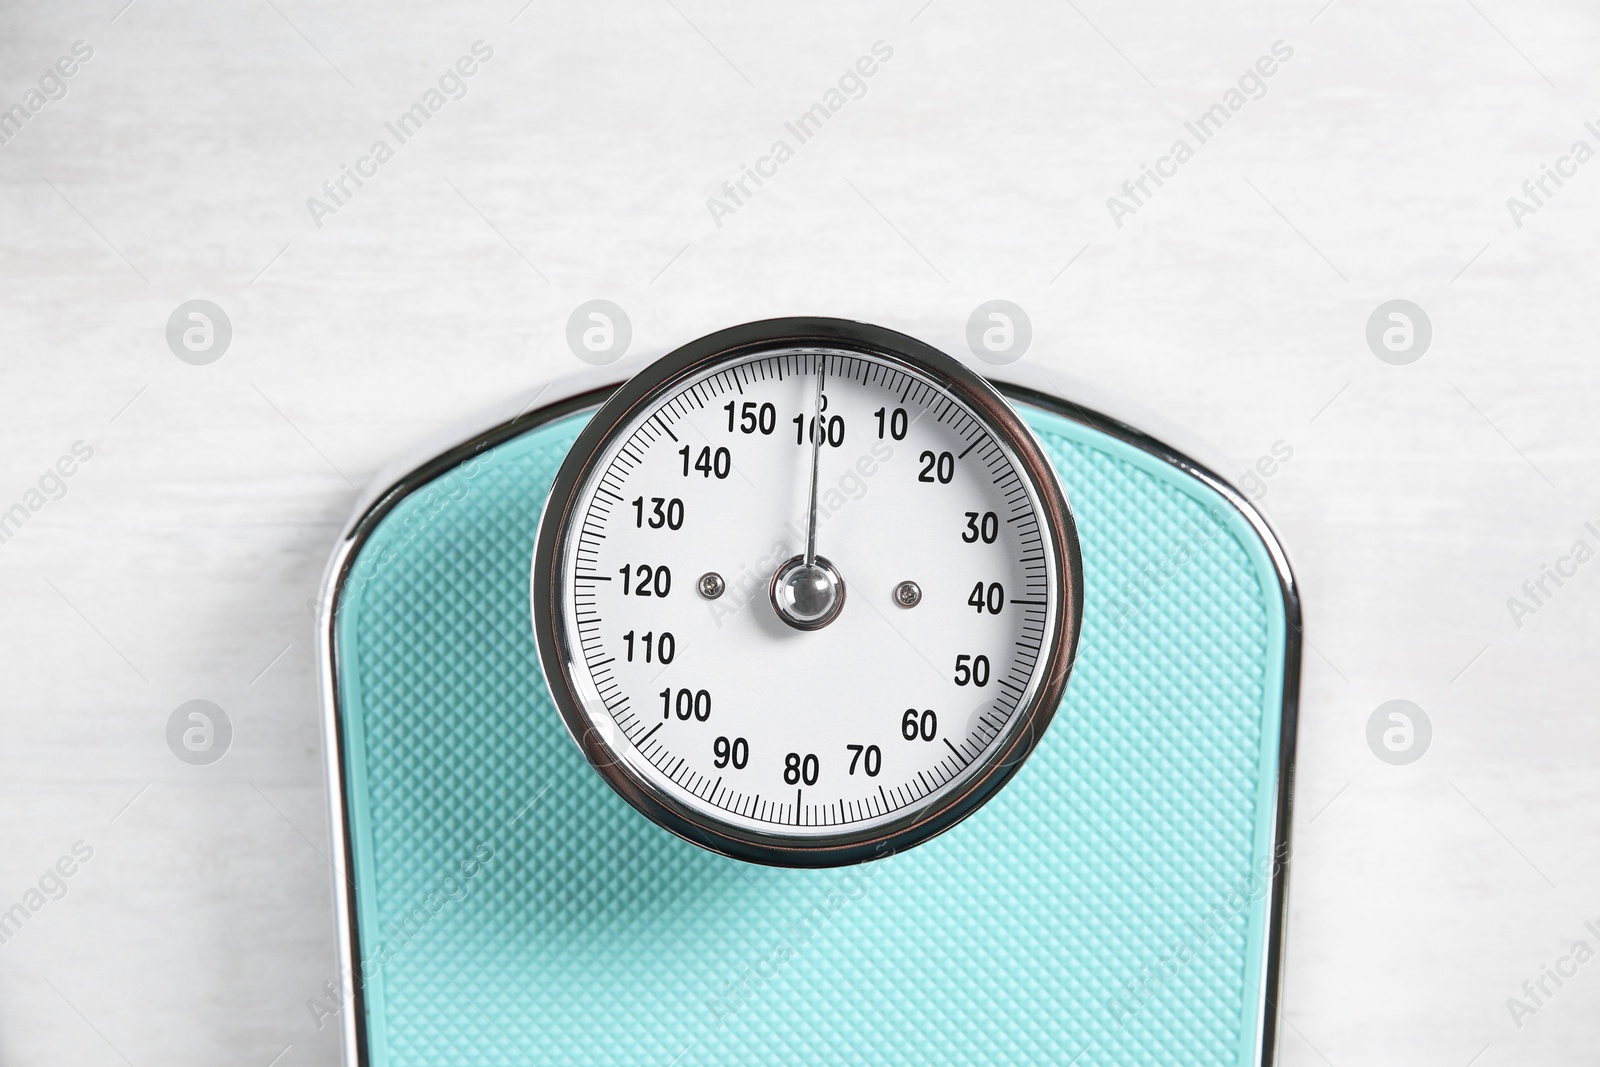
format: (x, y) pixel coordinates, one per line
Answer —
(711, 585)
(907, 594)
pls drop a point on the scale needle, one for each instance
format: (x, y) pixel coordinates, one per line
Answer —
(816, 458)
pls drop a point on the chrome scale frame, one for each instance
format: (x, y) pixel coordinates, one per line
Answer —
(1075, 401)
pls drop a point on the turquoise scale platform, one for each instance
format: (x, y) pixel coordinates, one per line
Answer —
(1109, 907)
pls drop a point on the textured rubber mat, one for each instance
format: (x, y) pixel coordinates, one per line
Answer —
(1109, 906)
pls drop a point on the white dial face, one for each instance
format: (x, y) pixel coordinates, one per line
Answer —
(717, 702)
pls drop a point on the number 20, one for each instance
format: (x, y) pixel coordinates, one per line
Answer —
(941, 466)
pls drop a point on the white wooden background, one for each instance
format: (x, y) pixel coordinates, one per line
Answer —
(181, 560)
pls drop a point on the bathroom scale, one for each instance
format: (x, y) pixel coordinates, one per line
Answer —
(808, 696)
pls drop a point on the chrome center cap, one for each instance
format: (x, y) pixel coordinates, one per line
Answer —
(807, 597)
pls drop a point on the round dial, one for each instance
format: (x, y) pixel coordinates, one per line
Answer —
(806, 592)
